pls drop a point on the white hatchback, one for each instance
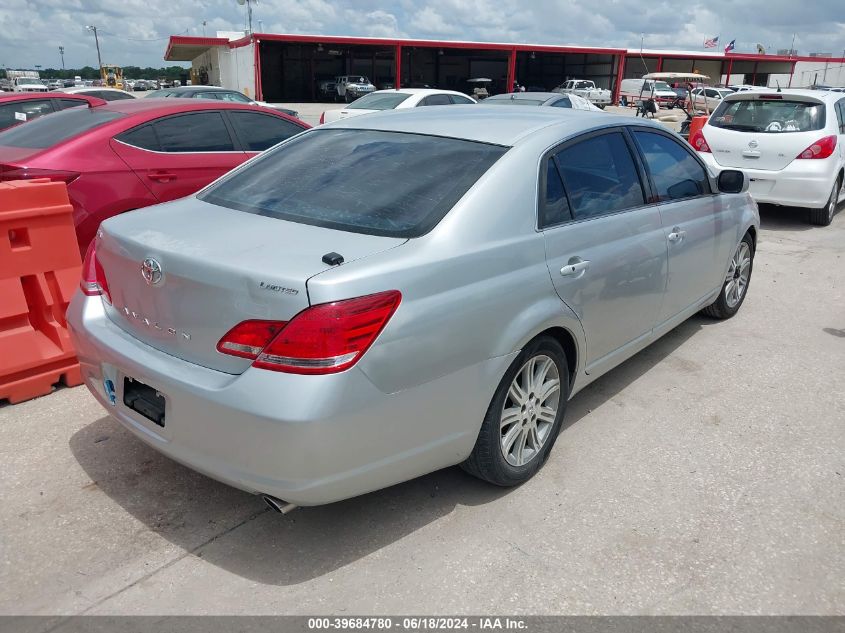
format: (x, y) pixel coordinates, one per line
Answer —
(790, 143)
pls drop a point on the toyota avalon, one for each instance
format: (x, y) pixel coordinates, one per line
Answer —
(383, 297)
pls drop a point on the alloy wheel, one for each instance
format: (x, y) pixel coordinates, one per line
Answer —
(530, 410)
(739, 271)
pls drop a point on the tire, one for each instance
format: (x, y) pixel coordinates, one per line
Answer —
(525, 425)
(824, 216)
(728, 303)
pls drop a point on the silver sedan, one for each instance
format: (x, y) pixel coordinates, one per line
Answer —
(380, 298)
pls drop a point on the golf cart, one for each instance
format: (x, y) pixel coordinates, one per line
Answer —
(479, 87)
(690, 79)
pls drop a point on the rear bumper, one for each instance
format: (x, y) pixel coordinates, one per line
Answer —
(802, 183)
(307, 440)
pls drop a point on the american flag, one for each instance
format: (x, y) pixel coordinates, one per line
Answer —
(711, 43)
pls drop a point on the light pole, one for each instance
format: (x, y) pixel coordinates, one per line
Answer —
(97, 42)
(204, 22)
(248, 4)
(62, 53)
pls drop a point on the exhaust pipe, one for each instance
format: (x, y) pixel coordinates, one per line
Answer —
(277, 505)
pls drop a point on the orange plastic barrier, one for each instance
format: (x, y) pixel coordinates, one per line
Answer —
(39, 272)
(696, 124)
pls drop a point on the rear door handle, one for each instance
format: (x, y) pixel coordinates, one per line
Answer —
(574, 269)
(161, 176)
(676, 235)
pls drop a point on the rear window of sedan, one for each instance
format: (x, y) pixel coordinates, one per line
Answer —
(769, 115)
(50, 130)
(364, 181)
(378, 101)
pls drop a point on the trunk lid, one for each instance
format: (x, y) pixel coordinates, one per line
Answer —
(218, 267)
(751, 150)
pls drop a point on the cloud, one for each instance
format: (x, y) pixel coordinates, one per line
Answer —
(136, 31)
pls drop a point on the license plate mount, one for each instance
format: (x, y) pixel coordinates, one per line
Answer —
(144, 399)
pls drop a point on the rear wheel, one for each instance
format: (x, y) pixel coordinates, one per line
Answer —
(736, 282)
(824, 216)
(524, 418)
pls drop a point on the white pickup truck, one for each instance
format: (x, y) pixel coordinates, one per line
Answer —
(350, 87)
(587, 89)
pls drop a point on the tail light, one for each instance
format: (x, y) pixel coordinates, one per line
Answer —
(93, 282)
(822, 148)
(323, 339)
(322, 118)
(13, 172)
(699, 143)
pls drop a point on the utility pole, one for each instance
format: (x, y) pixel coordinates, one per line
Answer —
(62, 53)
(97, 42)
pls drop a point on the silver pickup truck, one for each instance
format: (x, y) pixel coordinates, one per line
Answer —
(587, 89)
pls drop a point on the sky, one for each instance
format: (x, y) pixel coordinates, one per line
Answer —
(135, 32)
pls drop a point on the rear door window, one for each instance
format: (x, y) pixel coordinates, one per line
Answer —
(600, 176)
(563, 103)
(433, 100)
(195, 132)
(363, 181)
(459, 100)
(769, 115)
(50, 130)
(21, 111)
(258, 132)
(64, 104)
(108, 95)
(676, 174)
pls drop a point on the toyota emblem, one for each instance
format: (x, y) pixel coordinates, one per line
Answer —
(151, 271)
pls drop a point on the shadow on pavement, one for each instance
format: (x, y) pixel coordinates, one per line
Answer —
(775, 218)
(193, 511)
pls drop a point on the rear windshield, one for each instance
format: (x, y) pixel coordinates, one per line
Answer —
(380, 101)
(774, 116)
(50, 130)
(363, 181)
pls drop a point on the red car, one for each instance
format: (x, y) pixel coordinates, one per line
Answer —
(129, 154)
(19, 107)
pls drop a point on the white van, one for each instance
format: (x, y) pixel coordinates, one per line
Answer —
(641, 89)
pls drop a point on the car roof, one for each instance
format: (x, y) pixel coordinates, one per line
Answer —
(174, 104)
(534, 96)
(83, 89)
(486, 124)
(198, 88)
(418, 91)
(821, 95)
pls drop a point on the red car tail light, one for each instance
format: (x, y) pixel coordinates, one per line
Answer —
(322, 118)
(699, 143)
(823, 148)
(323, 339)
(93, 282)
(249, 338)
(13, 172)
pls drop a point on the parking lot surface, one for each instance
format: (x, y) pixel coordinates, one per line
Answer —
(703, 476)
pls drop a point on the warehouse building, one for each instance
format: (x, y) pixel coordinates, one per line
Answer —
(290, 68)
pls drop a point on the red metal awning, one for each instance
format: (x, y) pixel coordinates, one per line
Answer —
(184, 48)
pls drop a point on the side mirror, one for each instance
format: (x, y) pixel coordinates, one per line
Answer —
(732, 181)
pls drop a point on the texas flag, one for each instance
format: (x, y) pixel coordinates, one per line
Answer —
(711, 43)
(730, 46)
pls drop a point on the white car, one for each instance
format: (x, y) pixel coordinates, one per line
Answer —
(396, 99)
(705, 99)
(29, 84)
(101, 92)
(790, 143)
